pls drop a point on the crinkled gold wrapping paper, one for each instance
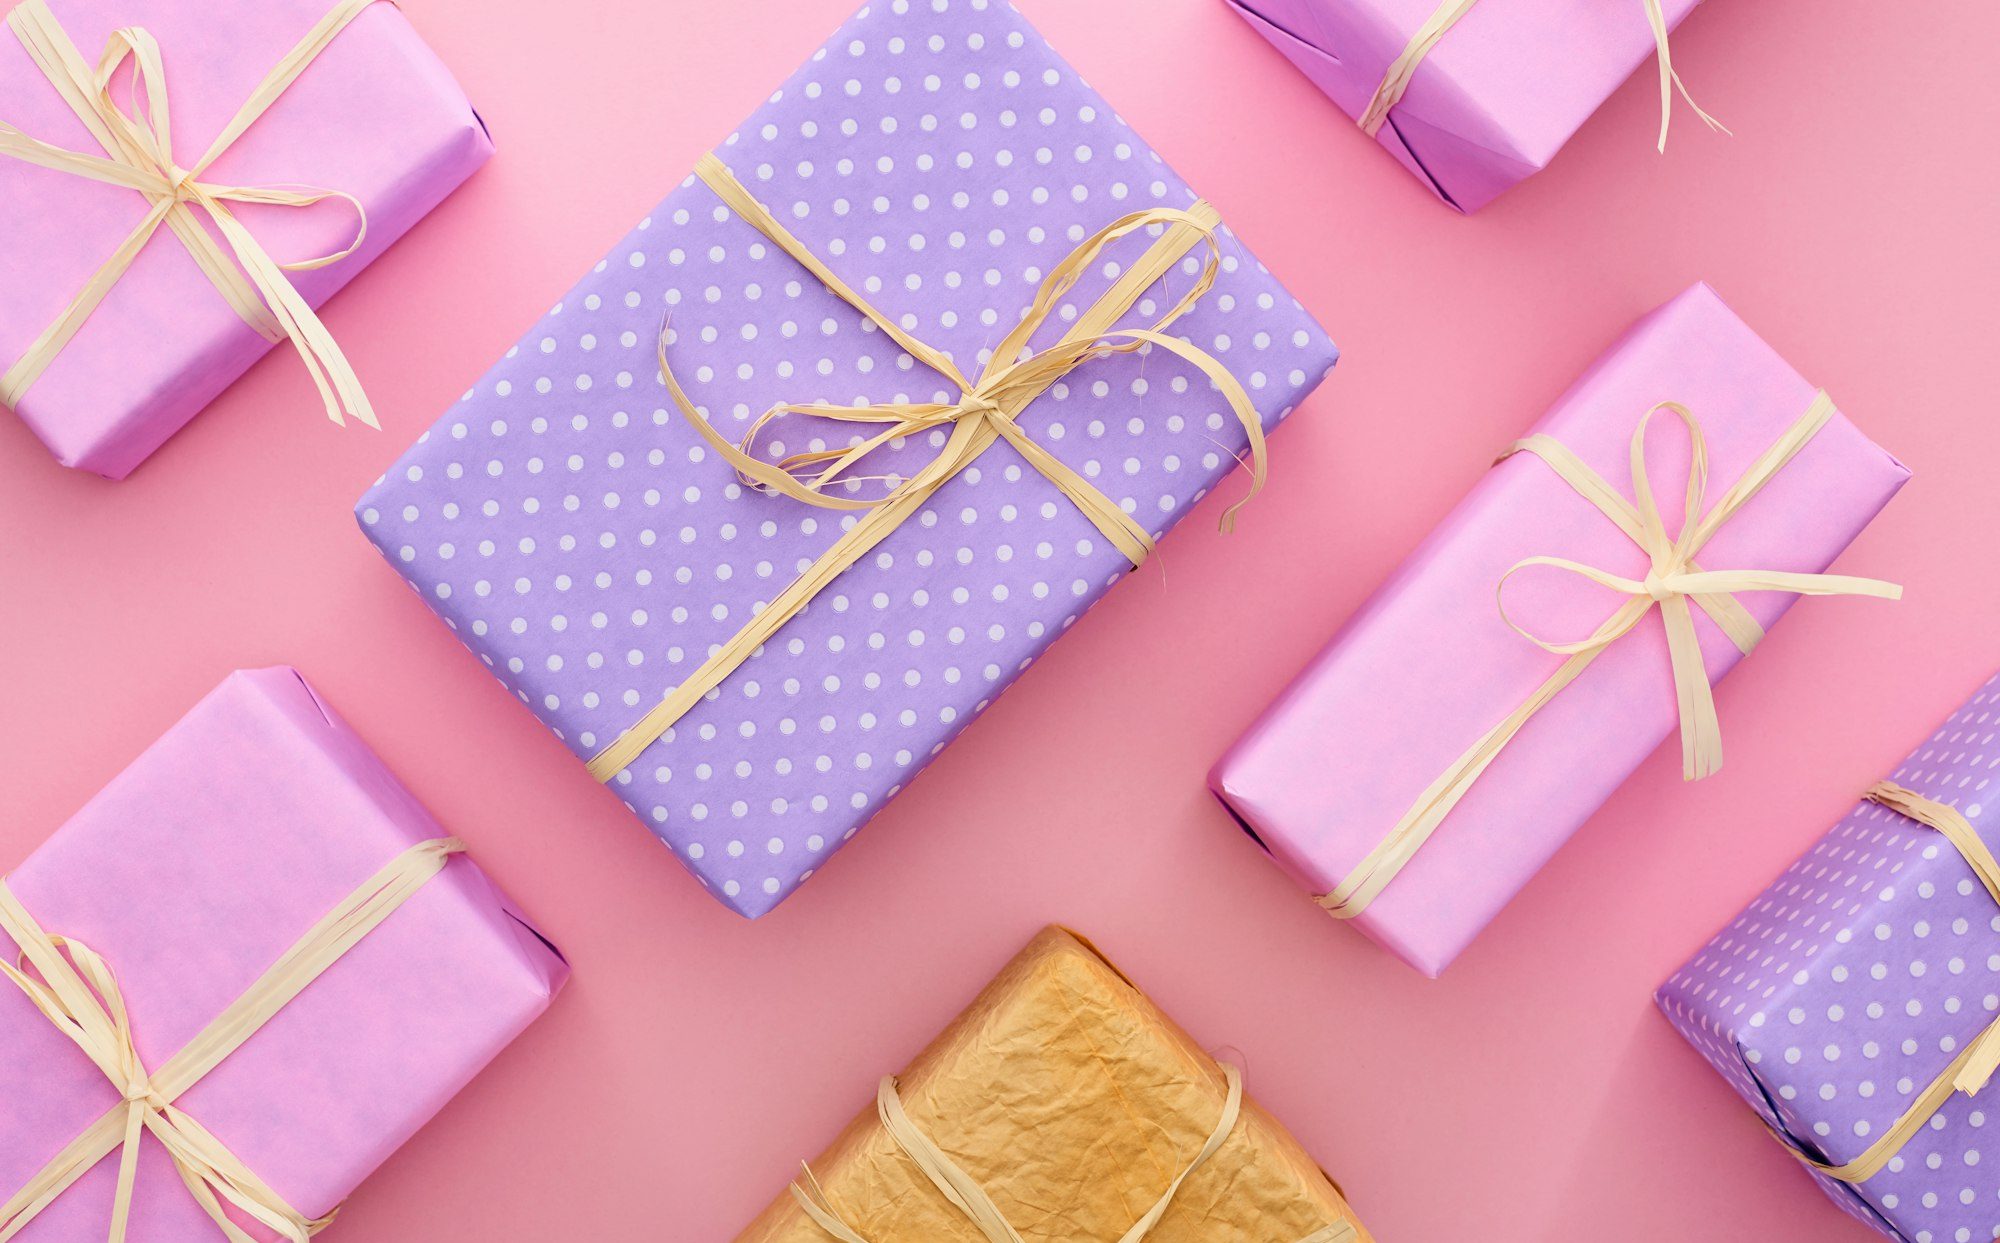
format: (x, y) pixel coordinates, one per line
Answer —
(1074, 1101)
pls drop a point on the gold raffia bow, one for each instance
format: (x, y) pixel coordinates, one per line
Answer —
(971, 1200)
(1403, 69)
(1973, 1068)
(75, 989)
(1673, 579)
(1013, 378)
(140, 148)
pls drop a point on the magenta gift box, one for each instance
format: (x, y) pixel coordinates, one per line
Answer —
(190, 873)
(1496, 98)
(377, 115)
(1428, 665)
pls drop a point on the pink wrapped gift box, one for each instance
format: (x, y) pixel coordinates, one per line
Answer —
(190, 873)
(1428, 665)
(1497, 97)
(377, 116)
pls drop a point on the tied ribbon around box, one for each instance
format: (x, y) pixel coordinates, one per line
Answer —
(970, 1199)
(139, 145)
(1013, 378)
(1673, 579)
(75, 989)
(1974, 1067)
(1403, 70)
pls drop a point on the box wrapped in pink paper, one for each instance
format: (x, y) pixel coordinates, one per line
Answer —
(1470, 96)
(1432, 758)
(171, 218)
(253, 962)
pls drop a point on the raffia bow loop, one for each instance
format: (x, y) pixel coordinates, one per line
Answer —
(988, 409)
(1673, 579)
(1014, 376)
(139, 147)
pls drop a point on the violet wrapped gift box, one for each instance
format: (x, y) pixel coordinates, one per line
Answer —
(1428, 665)
(190, 873)
(1495, 99)
(1843, 990)
(377, 115)
(582, 540)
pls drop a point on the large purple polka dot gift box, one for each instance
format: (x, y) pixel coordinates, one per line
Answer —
(1856, 1004)
(821, 456)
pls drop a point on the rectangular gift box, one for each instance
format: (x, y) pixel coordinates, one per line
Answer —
(377, 116)
(190, 874)
(1841, 992)
(1493, 101)
(584, 541)
(1072, 1101)
(1429, 665)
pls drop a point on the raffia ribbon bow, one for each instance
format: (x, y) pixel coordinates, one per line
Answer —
(1673, 581)
(1974, 1067)
(971, 1200)
(75, 989)
(1403, 69)
(1014, 377)
(139, 154)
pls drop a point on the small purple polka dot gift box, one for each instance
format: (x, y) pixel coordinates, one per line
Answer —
(1856, 1004)
(831, 447)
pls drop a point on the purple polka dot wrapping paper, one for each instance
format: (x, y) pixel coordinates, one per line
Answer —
(586, 544)
(1837, 996)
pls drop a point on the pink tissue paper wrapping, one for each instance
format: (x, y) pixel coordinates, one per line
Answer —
(1428, 665)
(191, 872)
(1495, 99)
(377, 116)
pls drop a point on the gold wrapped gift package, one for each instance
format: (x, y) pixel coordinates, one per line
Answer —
(1062, 1107)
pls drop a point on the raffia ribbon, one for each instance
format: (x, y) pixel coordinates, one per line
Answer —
(140, 151)
(75, 989)
(1673, 580)
(1973, 1068)
(971, 1200)
(986, 413)
(1403, 69)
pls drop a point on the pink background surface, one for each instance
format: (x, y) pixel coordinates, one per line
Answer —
(1530, 1095)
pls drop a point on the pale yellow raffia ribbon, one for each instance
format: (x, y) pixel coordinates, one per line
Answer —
(1013, 378)
(139, 145)
(1403, 69)
(1975, 1064)
(1673, 579)
(971, 1200)
(75, 988)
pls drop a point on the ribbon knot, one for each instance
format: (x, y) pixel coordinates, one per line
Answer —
(1014, 376)
(978, 405)
(139, 155)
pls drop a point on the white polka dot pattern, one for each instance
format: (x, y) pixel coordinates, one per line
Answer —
(591, 550)
(1838, 996)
